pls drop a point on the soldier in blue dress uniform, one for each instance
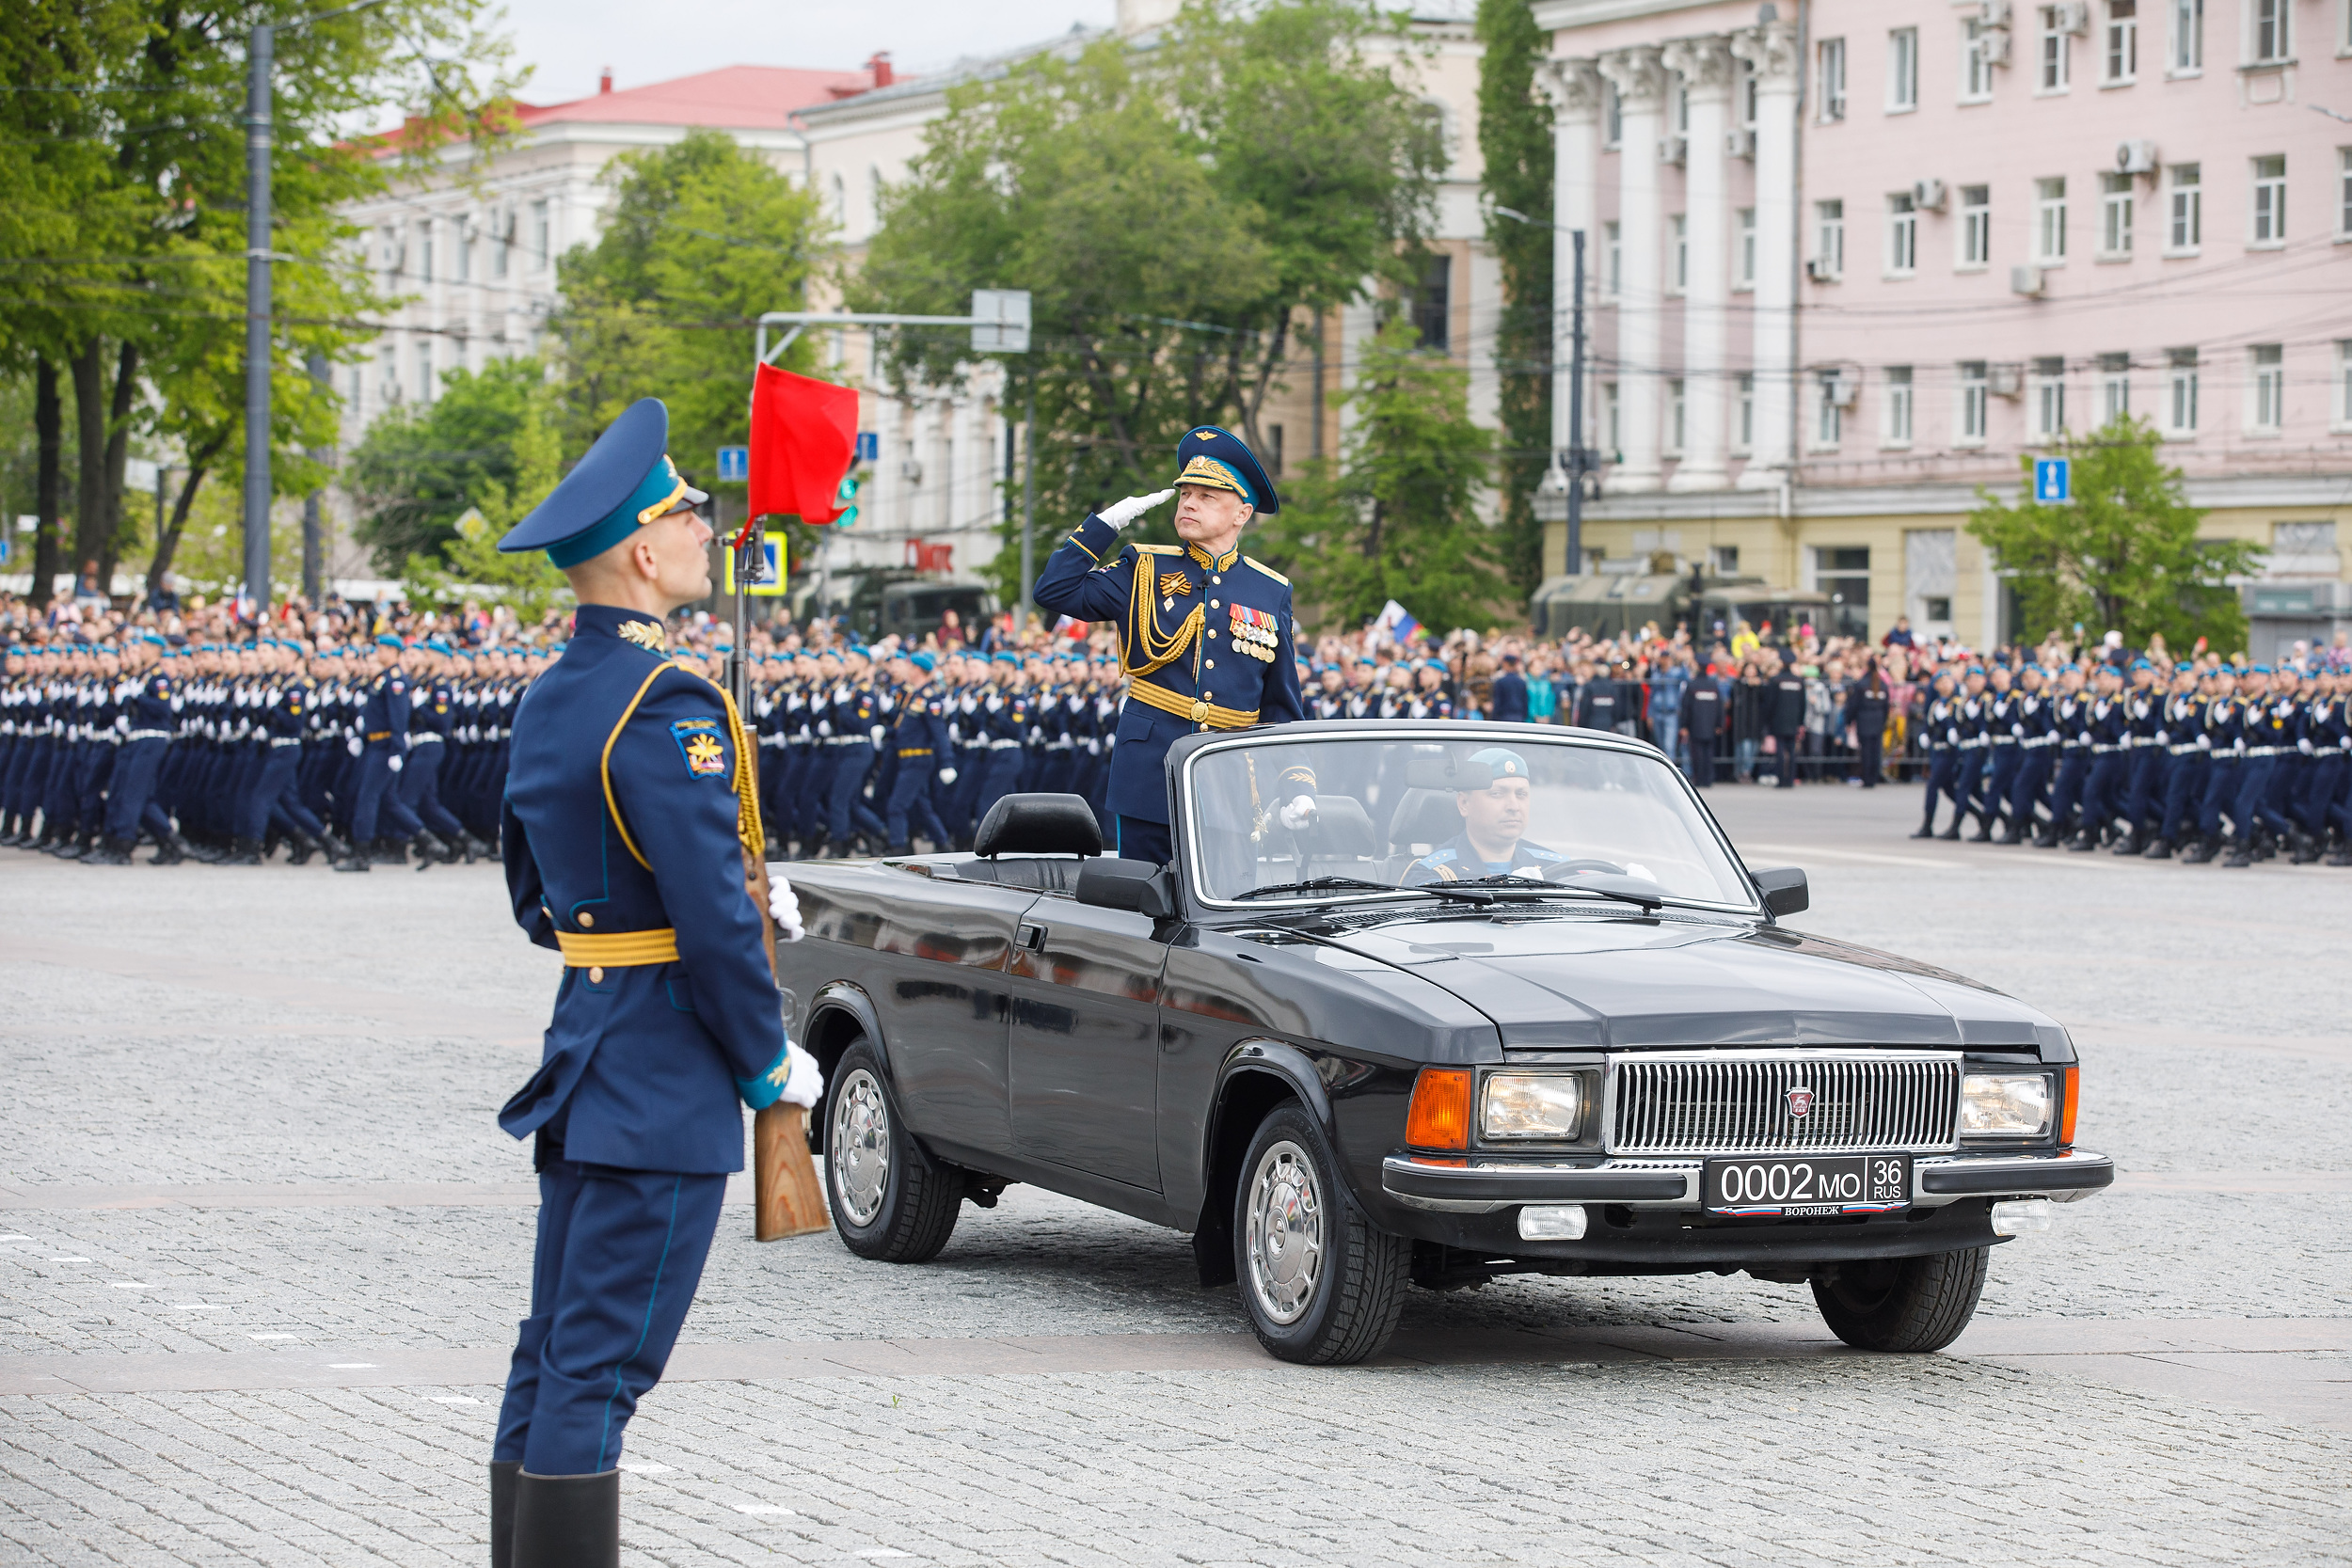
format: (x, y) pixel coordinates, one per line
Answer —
(1206, 636)
(629, 809)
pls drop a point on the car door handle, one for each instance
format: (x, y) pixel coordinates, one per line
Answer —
(1031, 936)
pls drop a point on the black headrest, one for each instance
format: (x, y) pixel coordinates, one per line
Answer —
(1341, 830)
(1040, 824)
(1424, 817)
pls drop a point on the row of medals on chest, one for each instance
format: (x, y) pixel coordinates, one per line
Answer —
(1252, 630)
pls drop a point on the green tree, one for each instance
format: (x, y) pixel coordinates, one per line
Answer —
(1174, 214)
(1514, 141)
(476, 567)
(1396, 518)
(421, 467)
(2123, 554)
(704, 236)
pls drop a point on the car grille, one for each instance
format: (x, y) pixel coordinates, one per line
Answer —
(1740, 1102)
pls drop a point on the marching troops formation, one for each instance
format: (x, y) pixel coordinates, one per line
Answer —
(2198, 764)
(226, 753)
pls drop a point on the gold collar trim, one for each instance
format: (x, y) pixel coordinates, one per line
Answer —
(1215, 563)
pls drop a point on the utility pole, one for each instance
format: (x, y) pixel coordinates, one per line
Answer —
(313, 534)
(1578, 457)
(257, 141)
(1028, 512)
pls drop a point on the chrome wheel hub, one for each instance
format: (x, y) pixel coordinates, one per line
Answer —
(1285, 1239)
(858, 1147)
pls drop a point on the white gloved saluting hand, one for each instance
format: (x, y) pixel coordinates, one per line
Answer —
(1119, 513)
(784, 908)
(1299, 813)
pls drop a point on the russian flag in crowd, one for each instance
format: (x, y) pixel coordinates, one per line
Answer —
(1397, 623)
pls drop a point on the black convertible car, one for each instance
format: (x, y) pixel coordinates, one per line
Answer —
(1510, 1004)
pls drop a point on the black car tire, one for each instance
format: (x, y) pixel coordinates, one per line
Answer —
(1909, 1305)
(889, 1203)
(1345, 1307)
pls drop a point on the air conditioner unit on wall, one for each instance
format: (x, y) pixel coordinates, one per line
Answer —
(1673, 150)
(1929, 195)
(2030, 281)
(1842, 387)
(1819, 269)
(2073, 16)
(1995, 42)
(1739, 144)
(1993, 13)
(910, 469)
(2006, 381)
(2135, 157)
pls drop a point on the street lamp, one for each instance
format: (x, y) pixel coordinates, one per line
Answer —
(1570, 461)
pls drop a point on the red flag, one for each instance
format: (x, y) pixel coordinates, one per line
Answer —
(804, 440)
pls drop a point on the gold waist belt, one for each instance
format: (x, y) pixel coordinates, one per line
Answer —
(1192, 709)
(617, 949)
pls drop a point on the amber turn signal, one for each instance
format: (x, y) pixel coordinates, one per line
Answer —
(2067, 1080)
(1440, 1114)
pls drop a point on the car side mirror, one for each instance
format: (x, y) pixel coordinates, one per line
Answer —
(1119, 884)
(1785, 890)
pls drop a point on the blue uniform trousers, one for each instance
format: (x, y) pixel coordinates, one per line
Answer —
(97, 765)
(813, 801)
(130, 796)
(273, 796)
(2253, 807)
(848, 812)
(2221, 781)
(377, 798)
(2001, 778)
(2102, 796)
(2074, 772)
(1943, 774)
(1967, 785)
(971, 773)
(619, 1255)
(2033, 775)
(2184, 787)
(1139, 840)
(2147, 785)
(2322, 782)
(910, 806)
(420, 789)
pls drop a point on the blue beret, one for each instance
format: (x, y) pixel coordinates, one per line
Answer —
(1501, 762)
(1221, 459)
(1008, 659)
(439, 645)
(2260, 670)
(388, 641)
(626, 480)
(923, 661)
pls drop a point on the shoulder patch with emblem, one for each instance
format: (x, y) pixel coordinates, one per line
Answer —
(699, 743)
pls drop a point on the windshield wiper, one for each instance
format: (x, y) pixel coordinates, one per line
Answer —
(1427, 890)
(1531, 888)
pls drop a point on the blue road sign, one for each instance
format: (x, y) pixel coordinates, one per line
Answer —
(2053, 480)
(735, 465)
(870, 446)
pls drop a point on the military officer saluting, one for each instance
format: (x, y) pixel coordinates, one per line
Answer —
(1205, 634)
(629, 809)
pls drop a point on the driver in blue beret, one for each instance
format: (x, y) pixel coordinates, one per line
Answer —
(1206, 635)
(631, 806)
(1493, 841)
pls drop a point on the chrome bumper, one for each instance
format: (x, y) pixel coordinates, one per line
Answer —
(1486, 1187)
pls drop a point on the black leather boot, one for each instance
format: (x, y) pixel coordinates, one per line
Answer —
(431, 850)
(568, 1521)
(2160, 850)
(336, 848)
(110, 851)
(2241, 856)
(170, 849)
(243, 851)
(503, 1476)
(474, 849)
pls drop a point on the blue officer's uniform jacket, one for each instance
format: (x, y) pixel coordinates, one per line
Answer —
(624, 831)
(1208, 644)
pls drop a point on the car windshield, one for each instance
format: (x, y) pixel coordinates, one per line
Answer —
(1408, 810)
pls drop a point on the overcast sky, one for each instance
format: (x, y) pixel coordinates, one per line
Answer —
(571, 40)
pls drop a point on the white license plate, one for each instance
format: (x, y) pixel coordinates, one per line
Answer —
(1800, 1186)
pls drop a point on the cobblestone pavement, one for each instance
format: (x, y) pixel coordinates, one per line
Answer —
(262, 1246)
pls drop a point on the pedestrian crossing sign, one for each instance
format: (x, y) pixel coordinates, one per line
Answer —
(767, 581)
(2052, 480)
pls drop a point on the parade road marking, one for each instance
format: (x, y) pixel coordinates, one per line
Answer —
(646, 1469)
(1800, 851)
(778, 1510)
(461, 1399)
(68, 1260)
(271, 1335)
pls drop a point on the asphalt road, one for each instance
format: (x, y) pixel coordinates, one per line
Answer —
(263, 1247)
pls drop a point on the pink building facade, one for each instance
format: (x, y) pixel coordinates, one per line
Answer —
(1850, 260)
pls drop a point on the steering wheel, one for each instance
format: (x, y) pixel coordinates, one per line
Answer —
(1561, 870)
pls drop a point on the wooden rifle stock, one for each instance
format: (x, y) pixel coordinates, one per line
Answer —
(787, 1198)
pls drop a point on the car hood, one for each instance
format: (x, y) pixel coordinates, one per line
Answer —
(1560, 980)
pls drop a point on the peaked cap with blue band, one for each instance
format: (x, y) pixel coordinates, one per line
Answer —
(1220, 459)
(626, 482)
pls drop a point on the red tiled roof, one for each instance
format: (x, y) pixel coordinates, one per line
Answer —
(733, 98)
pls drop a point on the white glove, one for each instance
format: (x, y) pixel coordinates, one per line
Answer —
(784, 908)
(355, 746)
(825, 726)
(1300, 813)
(394, 763)
(804, 1082)
(1119, 513)
(947, 775)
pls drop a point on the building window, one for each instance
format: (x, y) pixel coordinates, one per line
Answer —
(388, 372)
(1745, 427)
(1902, 234)
(1828, 422)
(1727, 560)
(1902, 69)
(1679, 236)
(425, 251)
(1745, 218)
(2049, 398)
(1843, 573)
(2270, 199)
(1829, 248)
(1433, 304)
(2270, 41)
(2344, 185)
(1612, 116)
(2049, 220)
(463, 271)
(2115, 214)
(358, 387)
(1611, 259)
(2343, 381)
(2270, 387)
(1747, 97)
(1898, 430)
(501, 240)
(2115, 388)
(1832, 78)
(1976, 226)
(1673, 417)
(424, 370)
(2181, 383)
(541, 236)
(2186, 228)
(2051, 74)
(1976, 62)
(1975, 395)
(1610, 429)
(2121, 59)
(2189, 37)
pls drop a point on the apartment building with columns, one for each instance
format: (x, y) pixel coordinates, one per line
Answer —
(1848, 261)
